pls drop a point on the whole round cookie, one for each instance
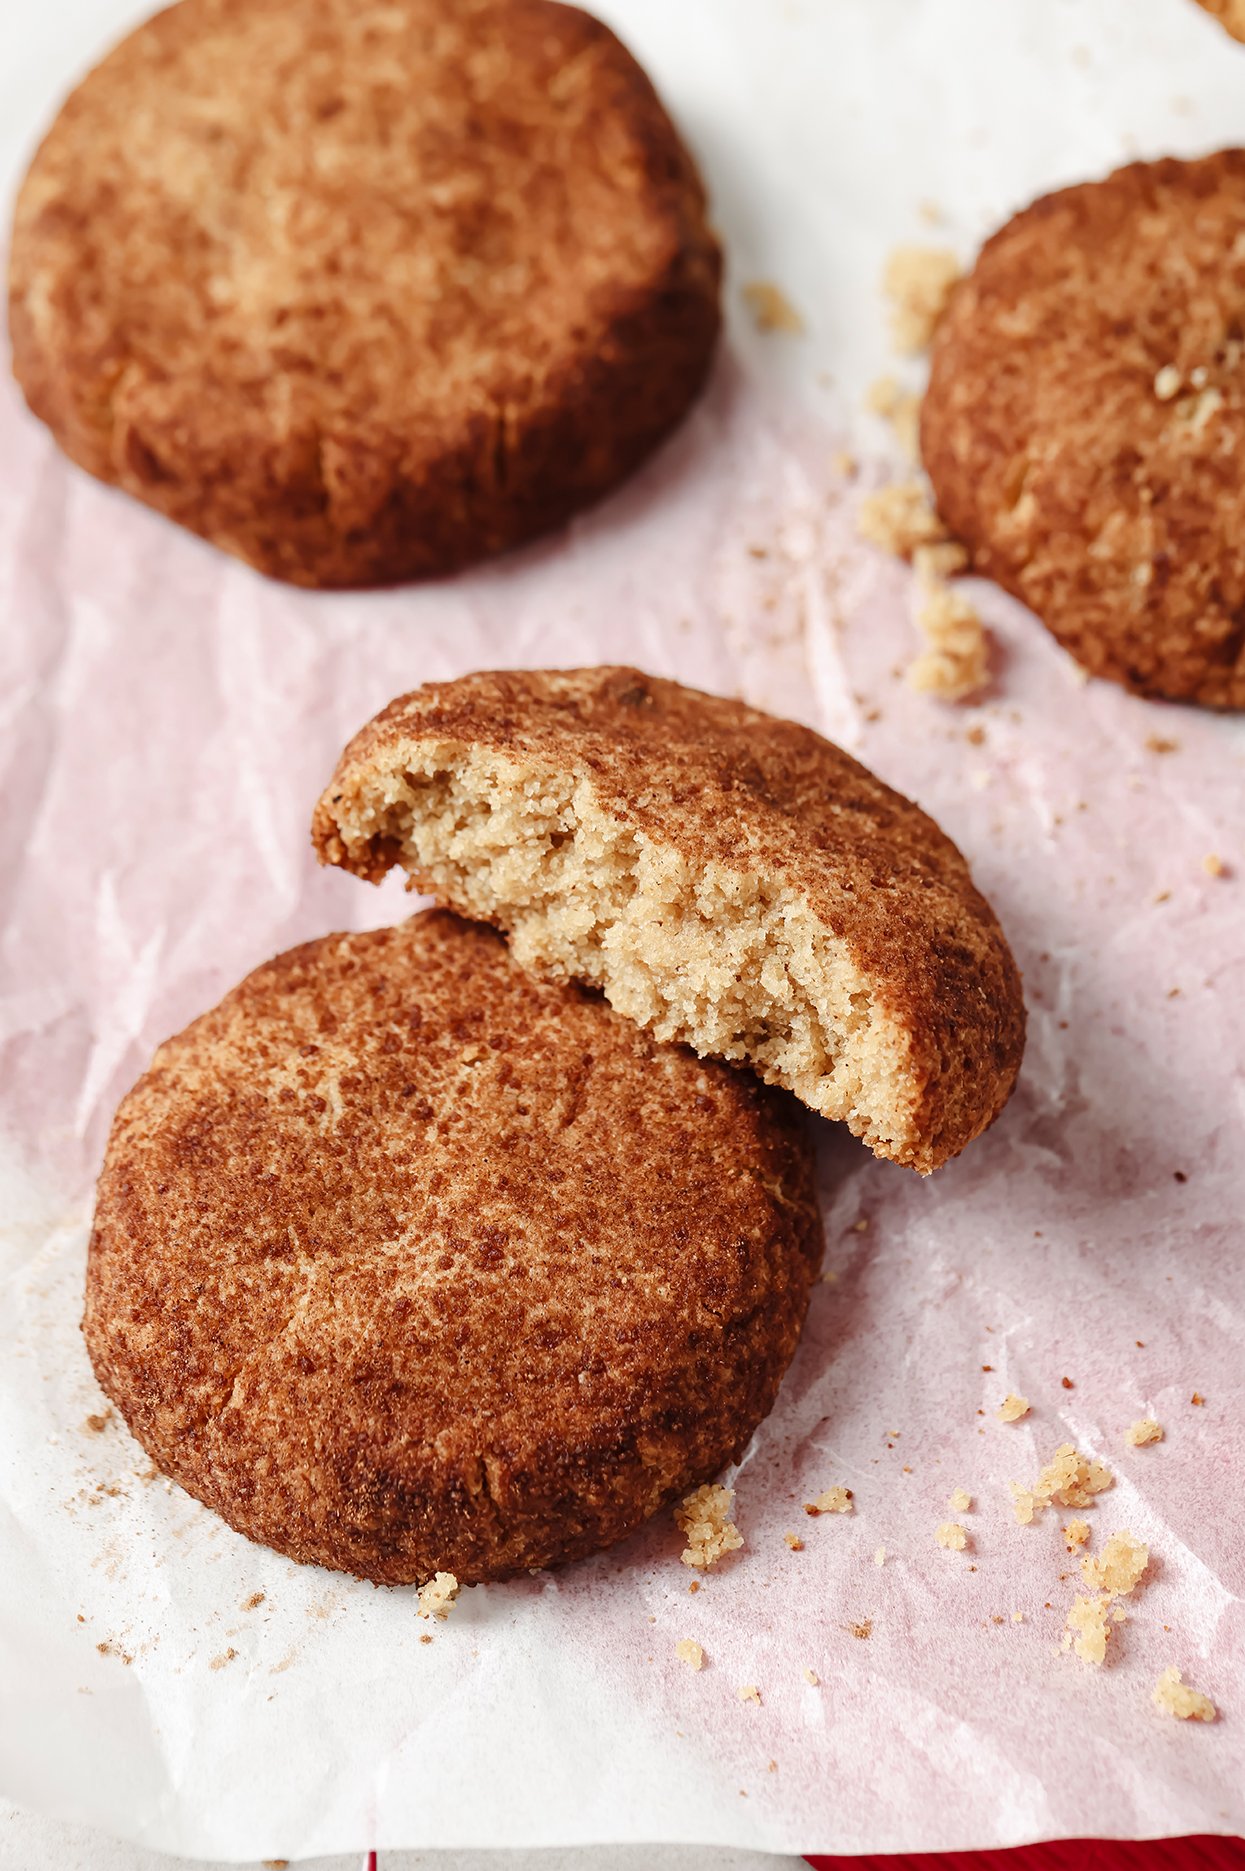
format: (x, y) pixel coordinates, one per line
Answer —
(728, 880)
(406, 1263)
(363, 290)
(1084, 427)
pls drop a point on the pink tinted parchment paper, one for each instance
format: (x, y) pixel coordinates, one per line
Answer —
(170, 719)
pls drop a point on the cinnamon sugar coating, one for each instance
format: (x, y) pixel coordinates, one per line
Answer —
(363, 290)
(407, 1264)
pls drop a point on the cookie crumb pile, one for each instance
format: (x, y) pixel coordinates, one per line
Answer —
(703, 1518)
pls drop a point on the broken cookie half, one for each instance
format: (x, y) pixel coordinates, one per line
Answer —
(725, 878)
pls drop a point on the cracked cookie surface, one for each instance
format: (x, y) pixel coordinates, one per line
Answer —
(1084, 426)
(363, 292)
(406, 1263)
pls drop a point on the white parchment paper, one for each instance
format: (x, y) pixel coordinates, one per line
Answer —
(168, 721)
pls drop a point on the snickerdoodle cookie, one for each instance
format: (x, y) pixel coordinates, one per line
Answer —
(1084, 427)
(728, 879)
(404, 1262)
(363, 290)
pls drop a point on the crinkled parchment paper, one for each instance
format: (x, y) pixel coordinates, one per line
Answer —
(168, 721)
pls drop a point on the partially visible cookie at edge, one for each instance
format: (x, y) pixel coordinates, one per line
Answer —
(405, 1263)
(728, 879)
(363, 290)
(1084, 426)
(1229, 13)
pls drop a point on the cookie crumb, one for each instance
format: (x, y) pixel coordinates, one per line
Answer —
(98, 1421)
(1119, 1566)
(437, 1596)
(1197, 1399)
(833, 1501)
(748, 1692)
(1175, 1697)
(1167, 382)
(688, 1651)
(956, 663)
(1012, 1409)
(1018, 1617)
(960, 1501)
(1144, 1430)
(845, 464)
(1088, 1630)
(899, 518)
(226, 1656)
(879, 1557)
(918, 282)
(425, 1637)
(1069, 1477)
(770, 307)
(951, 1535)
(703, 1517)
(811, 1676)
(863, 1630)
(794, 1541)
(1075, 1534)
(1161, 744)
(256, 1598)
(1214, 865)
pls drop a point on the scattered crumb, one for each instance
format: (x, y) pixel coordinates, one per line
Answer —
(1176, 1698)
(1012, 1409)
(437, 1596)
(956, 662)
(1144, 1430)
(748, 1692)
(256, 1598)
(1197, 1399)
(688, 1651)
(811, 1676)
(900, 518)
(1067, 1383)
(227, 1656)
(960, 1501)
(862, 1630)
(1160, 744)
(951, 1535)
(942, 560)
(274, 1864)
(1075, 1534)
(1213, 865)
(918, 281)
(703, 1518)
(1069, 1477)
(794, 1541)
(1167, 382)
(425, 1637)
(887, 398)
(1119, 1566)
(109, 1649)
(97, 1421)
(844, 464)
(1088, 1630)
(772, 1768)
(694, 1586)
(770, 307)
(879, 1557)
(833, 1501)
(1018, 1617)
